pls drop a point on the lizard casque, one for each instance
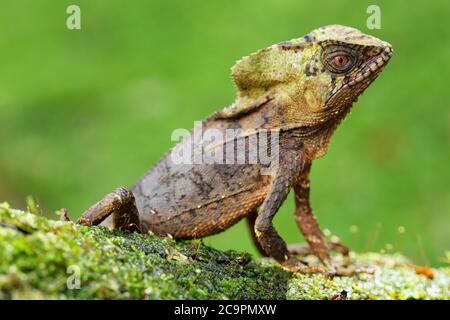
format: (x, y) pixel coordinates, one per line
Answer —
(300, 89)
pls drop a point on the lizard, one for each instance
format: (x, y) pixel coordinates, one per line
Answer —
(300, 90)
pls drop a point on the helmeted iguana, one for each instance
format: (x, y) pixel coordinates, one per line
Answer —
(298, 91)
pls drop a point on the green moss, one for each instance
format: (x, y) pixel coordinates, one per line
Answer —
(393, 277)
(35, 254)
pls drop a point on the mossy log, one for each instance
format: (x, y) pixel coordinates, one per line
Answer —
(46, 259)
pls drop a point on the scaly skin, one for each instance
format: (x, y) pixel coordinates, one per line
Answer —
(301, 89)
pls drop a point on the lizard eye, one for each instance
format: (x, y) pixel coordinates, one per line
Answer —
(340, 62)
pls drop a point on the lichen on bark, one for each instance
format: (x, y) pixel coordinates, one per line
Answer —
(40, 259)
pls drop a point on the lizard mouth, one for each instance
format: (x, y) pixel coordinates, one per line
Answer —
(373, 66)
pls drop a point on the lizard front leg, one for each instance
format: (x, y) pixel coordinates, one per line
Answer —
(251, 218)
(290, 164)
(307, 222)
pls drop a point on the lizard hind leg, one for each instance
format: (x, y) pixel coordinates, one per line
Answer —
(121, 205)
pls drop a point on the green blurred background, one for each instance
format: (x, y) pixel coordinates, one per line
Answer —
(83, 112)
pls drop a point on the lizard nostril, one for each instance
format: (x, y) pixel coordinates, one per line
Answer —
(388, 50)
(373, 51)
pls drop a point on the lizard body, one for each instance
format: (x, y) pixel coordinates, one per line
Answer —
(299, 89)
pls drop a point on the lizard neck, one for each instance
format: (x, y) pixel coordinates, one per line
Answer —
(318, 141)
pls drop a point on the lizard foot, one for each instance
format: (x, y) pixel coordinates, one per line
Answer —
(304, 249)
(347, 271)
(296, 266)
(330, 270)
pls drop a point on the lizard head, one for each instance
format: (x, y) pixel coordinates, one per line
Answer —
(322, 73)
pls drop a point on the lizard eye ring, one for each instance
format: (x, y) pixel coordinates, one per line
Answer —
(340, 62)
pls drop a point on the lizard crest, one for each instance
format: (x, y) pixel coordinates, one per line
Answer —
(310, 81)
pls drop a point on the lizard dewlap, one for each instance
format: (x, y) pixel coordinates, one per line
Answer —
(290, 98)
